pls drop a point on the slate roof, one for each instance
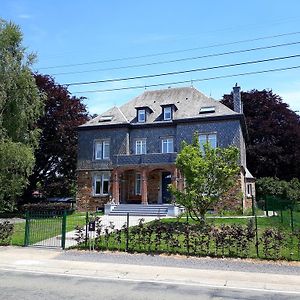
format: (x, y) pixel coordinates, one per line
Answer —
(188, 101)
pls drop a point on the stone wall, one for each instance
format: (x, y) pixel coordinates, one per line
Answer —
(85, 200)
(233, 199)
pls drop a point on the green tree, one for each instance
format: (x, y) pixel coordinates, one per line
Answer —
(20, 106)
(286, 192)
(208, 174)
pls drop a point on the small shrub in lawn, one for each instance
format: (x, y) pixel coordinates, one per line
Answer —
(6, 232)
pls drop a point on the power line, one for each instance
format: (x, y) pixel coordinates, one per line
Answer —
(187, 81)
(181, 59)
(170, 52)
(184, 71)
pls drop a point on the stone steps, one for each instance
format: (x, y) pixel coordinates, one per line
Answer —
(139, 210)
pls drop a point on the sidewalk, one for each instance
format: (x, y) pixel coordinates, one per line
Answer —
(48, 261)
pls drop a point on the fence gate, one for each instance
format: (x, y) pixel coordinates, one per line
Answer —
(45, 229)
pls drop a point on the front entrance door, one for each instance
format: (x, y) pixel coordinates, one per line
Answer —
(165, 181)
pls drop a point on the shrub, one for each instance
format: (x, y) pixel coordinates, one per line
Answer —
(47, 207)
(6, 232)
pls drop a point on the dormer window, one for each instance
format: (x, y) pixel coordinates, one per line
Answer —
(167, 113)
(141, 115)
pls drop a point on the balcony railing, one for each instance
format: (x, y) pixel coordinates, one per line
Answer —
(151, 158)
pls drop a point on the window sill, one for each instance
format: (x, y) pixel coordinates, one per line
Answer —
(101, 159)
(100, 196)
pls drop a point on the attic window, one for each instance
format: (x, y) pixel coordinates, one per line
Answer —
(207, 109)
(105, 118)
(141, 115)
(167, 113)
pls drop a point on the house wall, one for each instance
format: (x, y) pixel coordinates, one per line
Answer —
(85, 199)
(122, 149)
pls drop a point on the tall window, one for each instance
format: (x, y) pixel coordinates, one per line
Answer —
(249, 189)
(140, 146)
(141, 115)
(167, 113)
(210, 138)
(167, 145)
(102, 149)
(101, 184)
(138, 184)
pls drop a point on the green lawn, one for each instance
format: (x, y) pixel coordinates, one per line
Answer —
(46, 228)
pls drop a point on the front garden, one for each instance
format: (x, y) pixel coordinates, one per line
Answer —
(271, 238)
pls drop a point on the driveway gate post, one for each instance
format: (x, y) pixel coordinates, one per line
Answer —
(27, 229)
(63, 230)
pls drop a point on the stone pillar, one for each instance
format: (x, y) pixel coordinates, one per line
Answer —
(144, 187)
(180, 184)
(174, 177)
(115, 186)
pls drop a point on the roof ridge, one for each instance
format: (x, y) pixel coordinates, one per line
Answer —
(122, 114)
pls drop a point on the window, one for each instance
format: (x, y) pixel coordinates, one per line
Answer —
(102, 149)
(101, 184)
(207, 109)
(249, 189)
(167, 145)
(141, 115)
(140, 147)
(167, 113)
(210, 138)
(138, 184)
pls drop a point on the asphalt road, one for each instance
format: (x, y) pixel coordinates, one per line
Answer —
(30, 285)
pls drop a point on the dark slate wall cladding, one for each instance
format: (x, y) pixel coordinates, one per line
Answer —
(153, 136)
(146, 159)
(228, 133)
(86, 140)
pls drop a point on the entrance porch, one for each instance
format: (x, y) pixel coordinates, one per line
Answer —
(140, 188)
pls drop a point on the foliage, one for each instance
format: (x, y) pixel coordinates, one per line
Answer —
(272, 242)
(6, 232)
(16, 161)
(208, 176)
(285, 191)
(54, 171)
(46, 206)
(274, 134)
(20, 106)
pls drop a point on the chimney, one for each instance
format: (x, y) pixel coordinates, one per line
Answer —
(237, 102)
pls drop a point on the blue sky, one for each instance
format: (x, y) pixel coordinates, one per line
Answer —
(75, 32)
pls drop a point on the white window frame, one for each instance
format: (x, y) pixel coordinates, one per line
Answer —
(169, 142)
(138, 184)
(206, 138)
(104, 153)
(140, 146)
(102, 178)
(167, 111)
(141, 112)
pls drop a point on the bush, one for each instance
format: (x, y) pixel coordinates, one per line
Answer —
(6, 232)
(47, 207)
